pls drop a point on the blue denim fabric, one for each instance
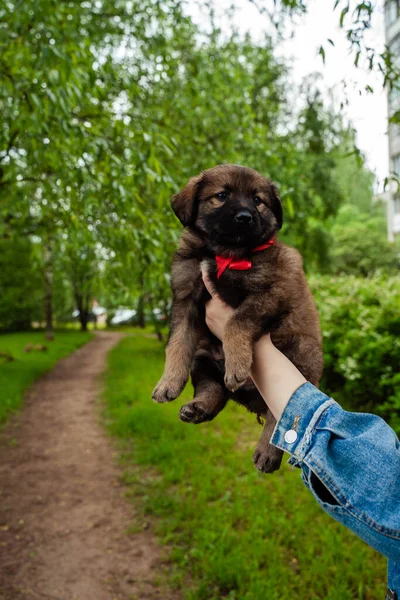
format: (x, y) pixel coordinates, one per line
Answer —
(356, 456)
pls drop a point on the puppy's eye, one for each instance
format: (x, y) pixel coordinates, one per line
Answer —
(257, 200)
(222, 196)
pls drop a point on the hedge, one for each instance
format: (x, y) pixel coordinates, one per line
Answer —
(361, 333)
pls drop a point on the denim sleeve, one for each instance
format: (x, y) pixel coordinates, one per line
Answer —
(351, 464)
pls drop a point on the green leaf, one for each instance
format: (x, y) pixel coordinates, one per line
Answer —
(289, 206)
(395, 118)
(36, 101)
(344, 12)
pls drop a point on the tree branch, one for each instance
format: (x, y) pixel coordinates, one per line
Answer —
(10, 144)
(11, 181)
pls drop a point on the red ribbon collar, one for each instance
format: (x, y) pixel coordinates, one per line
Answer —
(241, 264)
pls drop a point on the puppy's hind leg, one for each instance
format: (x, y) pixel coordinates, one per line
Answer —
(210, 393)
(266, 457)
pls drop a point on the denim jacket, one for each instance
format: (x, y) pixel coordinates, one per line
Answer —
(350, 462)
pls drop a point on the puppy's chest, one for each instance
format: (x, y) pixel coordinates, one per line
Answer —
(233, 286)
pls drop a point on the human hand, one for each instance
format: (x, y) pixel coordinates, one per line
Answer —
(274, 375)
(217, 312)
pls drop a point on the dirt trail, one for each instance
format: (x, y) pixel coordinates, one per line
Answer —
(63, 517)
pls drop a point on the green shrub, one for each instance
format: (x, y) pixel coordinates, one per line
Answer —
(361, 332)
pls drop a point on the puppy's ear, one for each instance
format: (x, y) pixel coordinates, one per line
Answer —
(276, 205)
(183, 202)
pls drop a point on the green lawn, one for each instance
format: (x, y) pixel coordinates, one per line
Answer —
(17, 376)
(149, 329)
(232, 532)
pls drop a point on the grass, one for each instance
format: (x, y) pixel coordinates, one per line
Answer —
(231, 532)
(148, 329)
(18, 375)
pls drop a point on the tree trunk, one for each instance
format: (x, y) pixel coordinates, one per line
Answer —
(156, 322)
(48, 290)
(83, 319)
(141, 318)
(82, 304)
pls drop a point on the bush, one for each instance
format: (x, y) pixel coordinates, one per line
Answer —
(361, 332)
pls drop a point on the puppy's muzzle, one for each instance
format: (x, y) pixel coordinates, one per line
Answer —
(244, 217)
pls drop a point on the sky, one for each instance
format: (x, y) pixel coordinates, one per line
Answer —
(367, 112)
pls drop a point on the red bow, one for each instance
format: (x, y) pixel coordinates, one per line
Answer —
(241, 264)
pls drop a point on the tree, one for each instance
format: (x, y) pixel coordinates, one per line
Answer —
(57, 112)
(360, 245)
(354, 179)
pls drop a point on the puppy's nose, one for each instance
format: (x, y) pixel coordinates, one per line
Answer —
(244, 217)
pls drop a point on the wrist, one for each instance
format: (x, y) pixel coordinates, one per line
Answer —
(274, 375)
(264, 344)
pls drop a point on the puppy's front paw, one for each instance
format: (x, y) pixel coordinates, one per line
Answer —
(236, 374)
(267, 459)
(167, 390)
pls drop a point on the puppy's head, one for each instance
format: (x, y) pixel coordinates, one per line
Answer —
(236, 208)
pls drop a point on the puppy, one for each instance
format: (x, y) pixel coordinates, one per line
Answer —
(231, 215)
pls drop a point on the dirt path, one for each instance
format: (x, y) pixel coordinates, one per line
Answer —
(63, 517)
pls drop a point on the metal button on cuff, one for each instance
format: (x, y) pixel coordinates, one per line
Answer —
(291, 436)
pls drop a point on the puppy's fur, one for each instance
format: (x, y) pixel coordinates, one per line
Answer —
(229, 210)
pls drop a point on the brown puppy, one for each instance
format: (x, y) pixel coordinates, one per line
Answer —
(231, 215)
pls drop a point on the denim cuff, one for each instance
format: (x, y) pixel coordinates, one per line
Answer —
(393, 590)
(293, 432)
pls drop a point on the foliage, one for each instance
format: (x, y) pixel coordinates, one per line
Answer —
(20, 285)
(108, 107)
(358, 242)
(361, 329)
(17, 376)
(354, 179)
(233, 532)
(360, 245)
(315, 194)
(66, 169)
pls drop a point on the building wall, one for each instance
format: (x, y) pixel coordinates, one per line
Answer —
(392, 21)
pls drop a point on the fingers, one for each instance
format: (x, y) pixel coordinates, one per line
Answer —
(207, 282)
